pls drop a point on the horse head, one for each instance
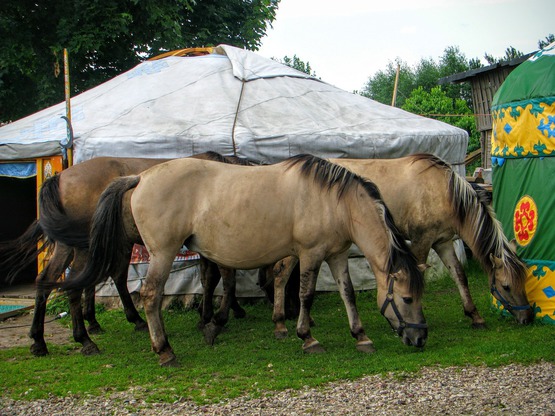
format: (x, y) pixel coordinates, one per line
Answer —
(507, 278)
(402, 307)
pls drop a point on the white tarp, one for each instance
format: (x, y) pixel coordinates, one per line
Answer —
(232, 102)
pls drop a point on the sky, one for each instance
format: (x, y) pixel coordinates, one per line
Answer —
(347, 41)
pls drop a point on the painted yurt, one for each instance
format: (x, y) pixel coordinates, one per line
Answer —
(523, 160)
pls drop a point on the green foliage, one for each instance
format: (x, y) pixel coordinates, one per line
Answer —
(107, 37)
(380, 86)
(510, 53)
(297, 64)
(57, 303)
(436, 104)
(542, 43)
(424, 75)
(247, 360)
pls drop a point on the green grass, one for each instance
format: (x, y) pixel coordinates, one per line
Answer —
(247, 360)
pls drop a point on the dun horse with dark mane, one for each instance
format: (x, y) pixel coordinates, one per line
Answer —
(432, 204)
(248, 217)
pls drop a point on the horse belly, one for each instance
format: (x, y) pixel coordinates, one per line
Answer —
(241, 249)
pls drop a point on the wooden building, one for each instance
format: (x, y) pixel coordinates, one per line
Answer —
(484, 83)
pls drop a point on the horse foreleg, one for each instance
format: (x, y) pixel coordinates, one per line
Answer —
(209, 278)
(152, 293)
(216, 325)
(58, 262)
(309, 274)
(281, 272)
(339, 268)
(446, 252)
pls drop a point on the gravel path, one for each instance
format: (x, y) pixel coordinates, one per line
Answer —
(509, 390)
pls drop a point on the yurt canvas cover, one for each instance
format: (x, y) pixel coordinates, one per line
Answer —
(234, 102)
(523, 156)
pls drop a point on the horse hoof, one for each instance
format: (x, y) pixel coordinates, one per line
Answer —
(95, 329)
(280, 334)
(168, 360)
(90, 349)
(141, 326)
(313, 348)
(366, 347)
(211, 331)
(39, 350)
(478, 325)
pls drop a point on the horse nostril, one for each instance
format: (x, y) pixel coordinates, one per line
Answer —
(526, 321)
(420, 342)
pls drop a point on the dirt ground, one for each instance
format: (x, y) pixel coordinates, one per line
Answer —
(14, 331)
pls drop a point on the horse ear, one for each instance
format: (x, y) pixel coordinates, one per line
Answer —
(512, 245)
(423, 267)
(496, 262)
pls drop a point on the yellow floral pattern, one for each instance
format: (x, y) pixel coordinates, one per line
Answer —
(524, 129)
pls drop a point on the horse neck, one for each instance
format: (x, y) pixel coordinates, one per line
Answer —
(371, 235)
(478, 227)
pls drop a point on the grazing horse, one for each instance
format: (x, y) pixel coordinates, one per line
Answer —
(432, 204)
(248, 217)
(66, 205)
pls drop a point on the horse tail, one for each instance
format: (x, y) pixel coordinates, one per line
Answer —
(17, 254)
(109, 241)
(53, 218)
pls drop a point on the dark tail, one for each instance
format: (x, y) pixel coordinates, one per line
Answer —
(54, 220)
(17, 254)
(108, 240)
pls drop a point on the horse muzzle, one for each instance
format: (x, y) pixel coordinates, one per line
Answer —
(411, 333)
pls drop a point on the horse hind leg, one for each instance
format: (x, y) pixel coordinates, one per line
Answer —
(80, 333)
(152, 294)
(340, 271)
(446, 252)
(58, 262)
(120, 280)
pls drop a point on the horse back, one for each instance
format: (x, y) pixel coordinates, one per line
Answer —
(210, 204)
(414, 188)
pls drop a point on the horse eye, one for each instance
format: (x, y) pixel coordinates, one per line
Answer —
(407, 300)
(506, 288)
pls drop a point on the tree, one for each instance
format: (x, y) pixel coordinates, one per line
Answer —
(297, 64)
(380, 87)
(542, 43)
(437, 104)
(510, 54)
(107, 37)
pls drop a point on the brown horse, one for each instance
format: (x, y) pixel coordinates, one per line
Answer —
(304, 207)
(432, 204)
(66, 206)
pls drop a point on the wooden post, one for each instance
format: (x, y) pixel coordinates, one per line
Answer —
(68, 107)
(395, 86)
